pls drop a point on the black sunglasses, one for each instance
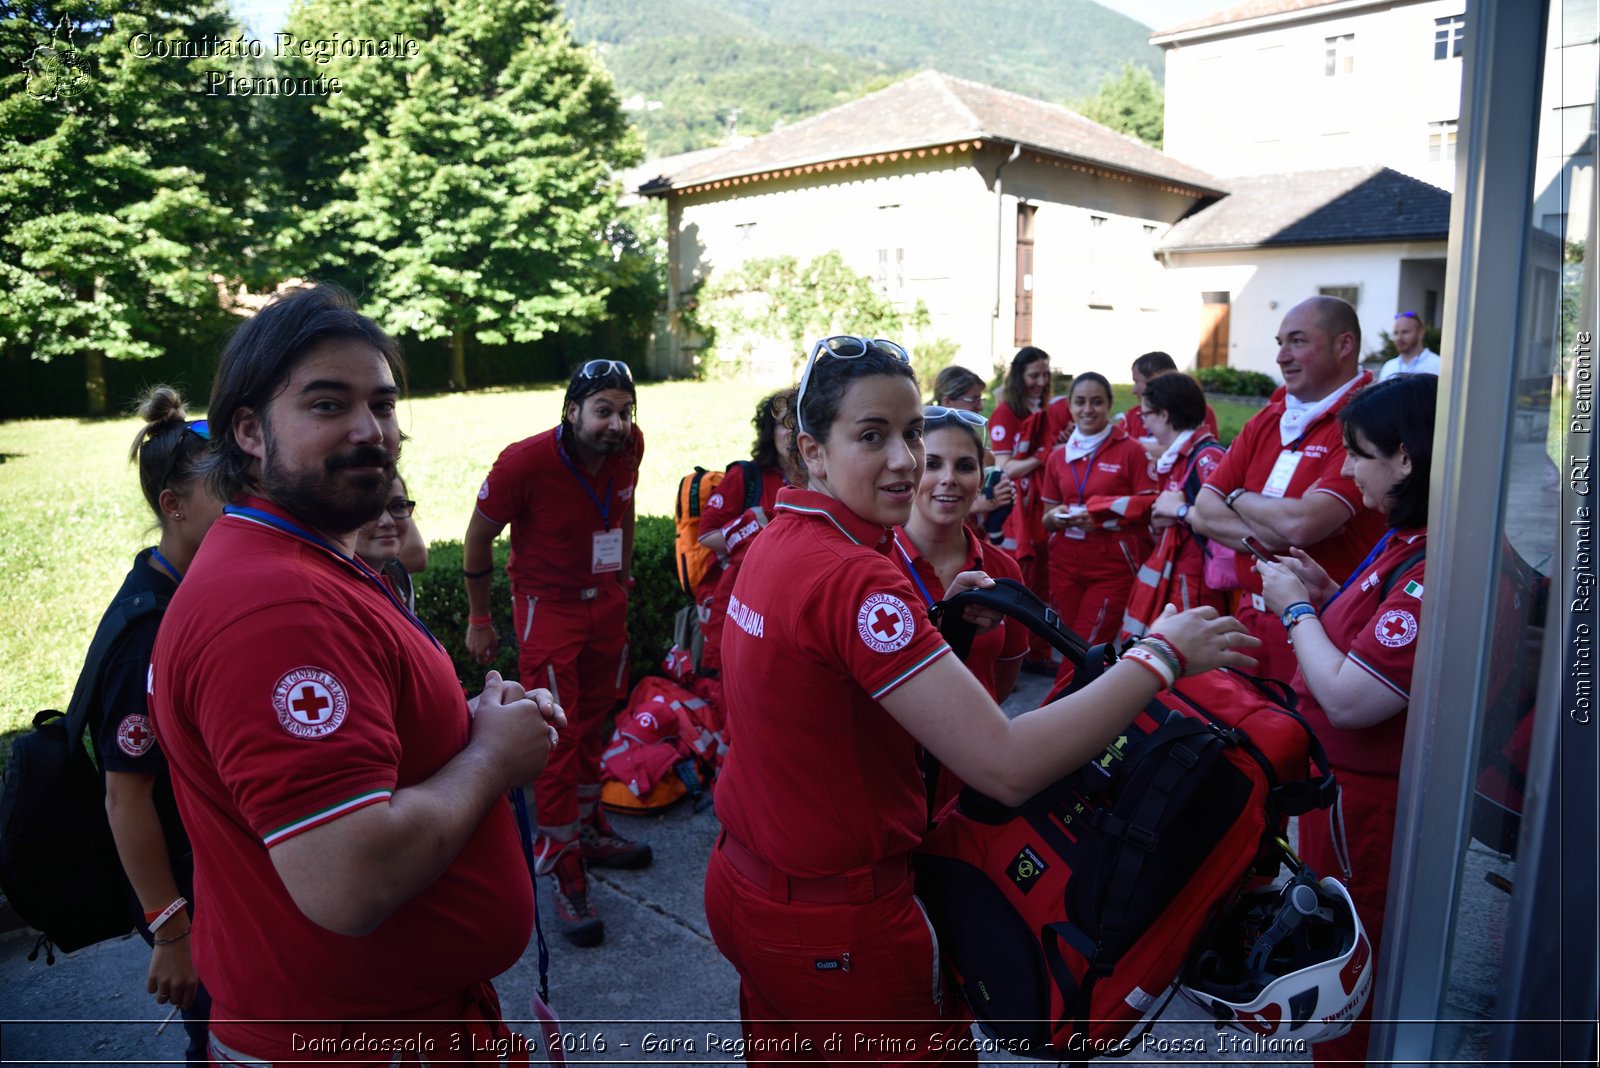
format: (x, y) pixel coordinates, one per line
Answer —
(200, 428)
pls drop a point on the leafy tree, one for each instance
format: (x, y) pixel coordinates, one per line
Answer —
(476, 193)
(1130, 102)
(779, 299)
(125, 190)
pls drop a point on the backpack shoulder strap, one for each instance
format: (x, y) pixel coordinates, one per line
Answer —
(1405, 565)
(122, 613)
(1191, 482)
(752, 481)
(1012, 599)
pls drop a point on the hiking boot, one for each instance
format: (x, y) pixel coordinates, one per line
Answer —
(576, 916)
(603, 847)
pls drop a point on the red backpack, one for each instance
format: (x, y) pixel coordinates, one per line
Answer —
(666, 745)
(1067, 920)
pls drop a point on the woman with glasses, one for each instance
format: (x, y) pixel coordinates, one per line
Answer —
(392, 545)
(727, 527)
(144, 819)
(1017, 427)
(835, 681)
(1098, 527)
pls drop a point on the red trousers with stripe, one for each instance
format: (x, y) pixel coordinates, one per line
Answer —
(864, 975)
(1090, 581)
(579, 651)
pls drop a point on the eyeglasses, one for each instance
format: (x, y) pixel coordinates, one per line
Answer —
(401, 508)
(841, 347)
(936, 413)
(200, 428)
(602, 368)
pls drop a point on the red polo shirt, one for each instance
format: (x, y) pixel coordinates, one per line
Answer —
(1109, 480)
(823, 622)
(1379, 636)
(1250, 461)
(1009, 641)
(555, 509)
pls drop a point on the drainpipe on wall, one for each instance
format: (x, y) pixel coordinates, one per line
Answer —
(1000, 235)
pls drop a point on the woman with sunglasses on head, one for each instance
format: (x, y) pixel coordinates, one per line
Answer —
(150, 838)
(958, 388)
(392, 545)
(1356, 645)
(835, 680)
(1098, 524)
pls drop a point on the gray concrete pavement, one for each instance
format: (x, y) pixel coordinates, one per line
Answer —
(658, 974)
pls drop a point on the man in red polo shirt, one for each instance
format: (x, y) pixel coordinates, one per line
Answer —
(1144, 369)
(568, 495)
(354, 849)
(1280, 483)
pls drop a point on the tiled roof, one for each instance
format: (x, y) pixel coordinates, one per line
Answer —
(1251, 9)
(932, 109)
(1347, 205)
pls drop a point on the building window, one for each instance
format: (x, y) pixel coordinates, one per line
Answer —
(1448, 35)
(1340, 55)
(1351, 295)
(891, 275)
(746, 232)
(1442, 141)
(1098, 261)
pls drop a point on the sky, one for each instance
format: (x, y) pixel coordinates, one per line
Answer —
(268, 16)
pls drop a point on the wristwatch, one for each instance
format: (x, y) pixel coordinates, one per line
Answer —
(1183, 513)
(1234, 495)
(1295, 613)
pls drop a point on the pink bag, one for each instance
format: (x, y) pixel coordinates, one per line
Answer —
(1219, 572)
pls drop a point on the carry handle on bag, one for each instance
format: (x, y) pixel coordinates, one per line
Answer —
(1066, 919)
(58, 861)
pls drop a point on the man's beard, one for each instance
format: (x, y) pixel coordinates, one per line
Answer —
(598, 444)
(328, 502)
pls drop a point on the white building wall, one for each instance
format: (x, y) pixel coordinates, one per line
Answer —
(1257, 98)
(1265, 283)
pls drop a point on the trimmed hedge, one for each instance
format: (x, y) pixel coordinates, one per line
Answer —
(1233, 381)
(442, 602)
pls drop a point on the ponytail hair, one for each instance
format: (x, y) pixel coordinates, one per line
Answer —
(167, 455)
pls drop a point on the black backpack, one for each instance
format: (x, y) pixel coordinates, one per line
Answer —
(58, 862)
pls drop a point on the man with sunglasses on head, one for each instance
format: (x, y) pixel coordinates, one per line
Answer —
(1415, 358)
(356, 858)
(568, 496)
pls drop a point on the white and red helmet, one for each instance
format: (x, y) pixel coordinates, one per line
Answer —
(1290, 961)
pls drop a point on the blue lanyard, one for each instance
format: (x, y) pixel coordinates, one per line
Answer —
(1088, 472)
(256, 515)
(912, 568)
(1377, 550)
(177, 576)
(603, 509)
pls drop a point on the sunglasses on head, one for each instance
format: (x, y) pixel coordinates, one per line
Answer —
(938, 413)
(841, 347)
(200, 428)
(1409, 315)
(400, 508)
(602, 368)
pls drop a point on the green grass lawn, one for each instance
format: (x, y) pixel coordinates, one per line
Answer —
(71, 516)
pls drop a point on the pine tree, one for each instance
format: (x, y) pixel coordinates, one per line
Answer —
(477, 191)
(124, 188)
(1130, 102)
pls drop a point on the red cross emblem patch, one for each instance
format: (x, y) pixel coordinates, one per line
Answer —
(884, 623)
(1395, 628)
(310, 702)
(134, 736)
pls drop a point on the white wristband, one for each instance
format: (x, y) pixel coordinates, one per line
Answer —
(167, 914)
(1154, 663)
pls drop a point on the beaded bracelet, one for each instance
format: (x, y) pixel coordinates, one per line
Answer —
(1182, 662)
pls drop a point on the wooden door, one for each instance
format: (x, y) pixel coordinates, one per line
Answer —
(1213, 350)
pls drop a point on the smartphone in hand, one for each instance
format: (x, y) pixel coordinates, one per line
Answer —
(1257, 550)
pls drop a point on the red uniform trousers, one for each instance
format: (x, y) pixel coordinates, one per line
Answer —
(1369, 803)
(713, 601)
(1090, 580)
(579, 651)
(856, 981)
(1275, 656)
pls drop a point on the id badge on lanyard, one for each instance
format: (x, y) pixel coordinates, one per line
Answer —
(1282, 474)
(607, 557)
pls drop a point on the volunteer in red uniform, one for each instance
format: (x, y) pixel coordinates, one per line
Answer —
(568, 495)
(957, 387)
(1281, 482)
(151, 842)
(1172, 405)
(1355, 646)
(356, 859)
(1016, 429)
(392, 544)
(834, 677)
(1144, 369)
(727, 526)
(1097, 492)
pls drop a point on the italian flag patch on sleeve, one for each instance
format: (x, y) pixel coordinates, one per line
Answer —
(1414, 589)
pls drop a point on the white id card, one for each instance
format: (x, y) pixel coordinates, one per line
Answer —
(607, 552)
(1282, 474)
